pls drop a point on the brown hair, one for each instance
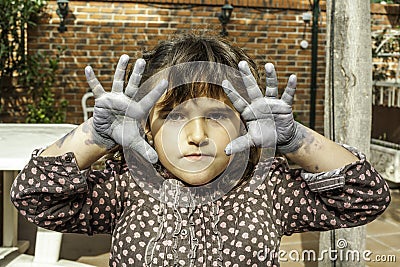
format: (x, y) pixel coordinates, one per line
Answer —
(194, 48)
(191, 47)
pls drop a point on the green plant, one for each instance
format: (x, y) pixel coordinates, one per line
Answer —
(45, 111)
(40, 78)
(23, 73)
(16, 16)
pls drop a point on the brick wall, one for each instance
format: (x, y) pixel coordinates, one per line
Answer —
(100, 31)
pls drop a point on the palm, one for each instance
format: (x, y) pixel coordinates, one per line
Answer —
(283, 118)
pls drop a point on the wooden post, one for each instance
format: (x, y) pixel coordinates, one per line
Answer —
(348, 94)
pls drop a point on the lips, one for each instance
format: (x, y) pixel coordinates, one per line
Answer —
(196, 156)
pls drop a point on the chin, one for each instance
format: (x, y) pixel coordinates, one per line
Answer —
(195, 174)
(197, 178)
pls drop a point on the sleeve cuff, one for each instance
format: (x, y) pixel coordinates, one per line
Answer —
(67, 159)
(326, 181)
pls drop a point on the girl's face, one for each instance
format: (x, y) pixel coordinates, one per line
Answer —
(190, 139)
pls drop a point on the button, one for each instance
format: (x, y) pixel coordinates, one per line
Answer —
(68, 158)
(184, 232)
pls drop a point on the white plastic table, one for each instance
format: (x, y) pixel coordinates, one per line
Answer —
(17, 141)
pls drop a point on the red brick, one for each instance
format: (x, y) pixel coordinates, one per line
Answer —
(99, 32)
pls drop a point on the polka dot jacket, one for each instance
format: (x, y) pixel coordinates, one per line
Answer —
(243, 228)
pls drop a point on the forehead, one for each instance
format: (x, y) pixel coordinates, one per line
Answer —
(199, 103)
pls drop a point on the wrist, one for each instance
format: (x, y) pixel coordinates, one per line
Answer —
(101, 140)
(295, 142)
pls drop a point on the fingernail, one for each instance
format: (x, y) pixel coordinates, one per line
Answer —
(242, 64)
(125, 60)
(88, 70)
(140, 65)
(244, 67)
(225, 84)
(228, 150)
(153, 158)
(269, 67)
(125, 57)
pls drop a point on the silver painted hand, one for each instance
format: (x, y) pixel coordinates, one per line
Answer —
(269, 120)
(116, 116)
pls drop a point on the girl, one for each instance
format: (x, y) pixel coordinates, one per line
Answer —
(205, 193)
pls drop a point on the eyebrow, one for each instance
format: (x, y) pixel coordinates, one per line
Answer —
(162, 110)
(165, 111)
(220, 109)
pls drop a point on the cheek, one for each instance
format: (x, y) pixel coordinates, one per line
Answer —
(227, 130)
(221, 137)
(166, 139)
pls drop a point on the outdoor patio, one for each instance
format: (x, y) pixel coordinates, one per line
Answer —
(96, 32)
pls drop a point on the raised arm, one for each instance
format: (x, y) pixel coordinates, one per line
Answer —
(81, 142)
(316, 153)
(270, 122)
(307, 148)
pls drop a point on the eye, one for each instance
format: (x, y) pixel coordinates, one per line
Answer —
(217, 116)
(175, 116)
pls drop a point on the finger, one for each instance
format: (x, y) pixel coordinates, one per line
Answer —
(249, 81)
(271, 81)
(239, 144)
(134, 81)
(118, 82)
(145, 150)
(94, 84)
(132, 139)
(237, 100)
(149, 100)
(290, 89)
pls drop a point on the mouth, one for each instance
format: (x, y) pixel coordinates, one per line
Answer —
(197, 156)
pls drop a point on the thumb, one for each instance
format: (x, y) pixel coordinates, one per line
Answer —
(132, 139)
(145, 150)
(239, 144)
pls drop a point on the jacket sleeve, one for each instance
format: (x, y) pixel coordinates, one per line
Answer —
(53, 193)
(350, 196)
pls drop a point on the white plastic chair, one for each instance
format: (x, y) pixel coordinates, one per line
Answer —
(47, 252)
(86, 109)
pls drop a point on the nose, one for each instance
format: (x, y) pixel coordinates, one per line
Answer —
(196, 132)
